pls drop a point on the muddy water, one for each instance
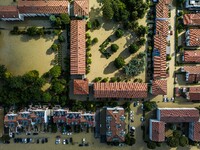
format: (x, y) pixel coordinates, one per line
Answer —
(21, 53)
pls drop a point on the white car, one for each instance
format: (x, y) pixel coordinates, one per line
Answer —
(142, 119)
(64, 141)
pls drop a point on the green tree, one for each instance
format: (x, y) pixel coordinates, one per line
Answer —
(57, 87)
(55, 71)
(46, 97)
(95, 40)
(151, 145)
(183, 141)
(54, 47)
(133, 48)
(61, 38)
(119, 33)
(141, 41)
(119, 62)
(58, 22)
(31, 31)
(89, 25)
(52, 18)
(173, 141)
(64, 18)
(141, 31)
(107, 10)
(114, 47)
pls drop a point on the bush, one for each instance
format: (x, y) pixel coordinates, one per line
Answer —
(183, 141)
(88, 48)
(87, 35)
(173, 141)
(89, 60)
(95, 24)
(54, 47)
(61, 38)
(95, 40)
(119, 33)
(88, 25)
(168, 57)
(88, 42)
(149, 49)
(151, 145)
(119, 62)
(133, 48)
(114, 47)
(159, 144)
(141, 41)
(88, 54)
(119, 79)
(97, 79)
(113, 79)
(105, 80)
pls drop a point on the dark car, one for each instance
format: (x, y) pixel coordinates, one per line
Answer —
(80, 145)
(28, 140)
(70, 140)
(6, 142)
(46, 140)
(67, 142)
(35, 133)
(135, 104)
(43, 141)
(38, 141)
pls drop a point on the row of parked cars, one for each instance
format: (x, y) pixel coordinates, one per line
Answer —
(30, 140)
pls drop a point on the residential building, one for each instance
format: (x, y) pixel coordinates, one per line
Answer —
(159, 87)
(174, 115)
(120, 90)
(192, 4)
(81, 87)
(24, 118)
(10, 120)
(192, 73)
(162, 27)
(111, 124)
(32, 8)
(68, 117)
(162, 10)
(159, 57)
(193, 94)
(191, 19)
(81, 8)
(191, 56)
(192, 37)
(77, 48)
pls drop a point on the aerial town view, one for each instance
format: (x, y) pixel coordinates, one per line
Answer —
(99, 74)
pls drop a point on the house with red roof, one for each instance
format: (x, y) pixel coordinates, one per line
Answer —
(10, 13)
(174, 115)
(111, 124)
(191, 19)
(194, 94)
(81, 87)
(10, 121)
(191, 56)
(81, 7)
(192, 74)
(162, 27)
(120, 90)
(159, 87)
(192, 37)
(77, 48)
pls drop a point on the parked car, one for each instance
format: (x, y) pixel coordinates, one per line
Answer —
(142, 119)
(6, 142)
(46, 140)
(38, 141)
(64, 142)
(142, 106)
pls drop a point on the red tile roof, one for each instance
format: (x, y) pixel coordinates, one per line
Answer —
(196, 131)
(194, 93)
(81, 87)
(159, 62)
(120, 90)
(194, 37)
(158, 131)
(77, 47)
(191, 19)
(159, 87)
(178, 114)
(192, 56)
(192, 69)
(162, 27)
(81, 7)
(116, 125)
(9, 12)
(42, 6)
(162, 10)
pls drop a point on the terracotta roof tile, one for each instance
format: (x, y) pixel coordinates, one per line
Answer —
(194, 37)
(192, 69)
(162, 10)
(162, 27)
(9, 12)
(196, 131)
(81, 87)
(158, 131)
(159, 87)
(194, 93)
(192, 56)
(159, 61)
(81, 7)
(42, 6)
(178, 114)
(120, 90)
(191, 19)
(77, 47)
